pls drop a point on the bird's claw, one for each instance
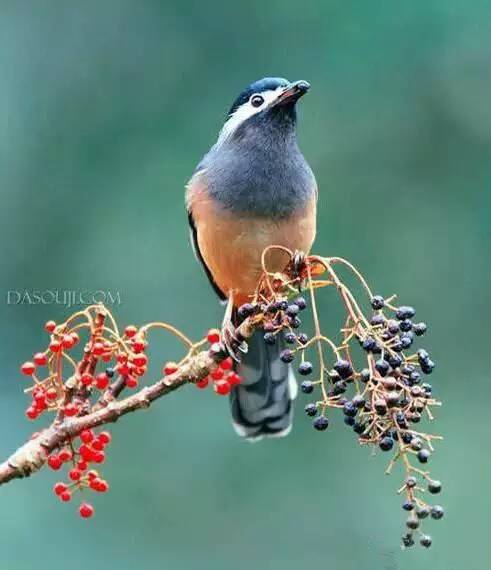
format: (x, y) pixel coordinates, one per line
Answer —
(234, 345)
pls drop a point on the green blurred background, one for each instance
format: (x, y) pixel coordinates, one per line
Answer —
(106, 107)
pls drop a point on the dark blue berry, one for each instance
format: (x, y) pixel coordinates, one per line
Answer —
(423, 455)
(295, 322)
(311, 409)
(406, 325)
(419, 329)
(369, 344)
(290, 338)
(422, 512)
(305, 368)
(406, 341)
(343, 368)
(307, 387)
(386, 443)
(382, 367)
(349, 421)
(269, 338)
(292, 310)
(411, 482)
(245, 310)
(393, 327)
(349, 409)
(377, 302)
(412, 522)
(408, 505)
(287, 355)
(303, 338)
(434, 487)
(321, 423)
(109, 372)
(425, 540)
(395, 360)
(359, 428)
(358, 401)
(301, 303)
(427, 366)
(408, 540)
(377, 320)
(437, 512)
(405, 312)
(339, 388)
(365, 375)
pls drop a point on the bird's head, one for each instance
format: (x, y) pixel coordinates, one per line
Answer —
(269, 102)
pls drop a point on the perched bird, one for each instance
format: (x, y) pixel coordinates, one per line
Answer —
(254, 189)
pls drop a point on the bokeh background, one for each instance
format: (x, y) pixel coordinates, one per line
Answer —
(105, 108)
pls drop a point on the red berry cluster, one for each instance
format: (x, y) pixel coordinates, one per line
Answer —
(223, 376)
(90, 450)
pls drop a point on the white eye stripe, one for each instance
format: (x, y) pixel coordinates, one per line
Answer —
(245, 111)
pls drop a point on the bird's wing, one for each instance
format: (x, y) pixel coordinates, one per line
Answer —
(194, 235)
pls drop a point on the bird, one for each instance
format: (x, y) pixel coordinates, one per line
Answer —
(253, 189)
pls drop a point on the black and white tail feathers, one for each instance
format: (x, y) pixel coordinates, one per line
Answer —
(262, 405)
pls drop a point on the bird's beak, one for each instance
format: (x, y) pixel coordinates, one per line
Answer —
(292, 93)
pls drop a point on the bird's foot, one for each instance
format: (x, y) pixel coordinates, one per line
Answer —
(298, 267)
(231, 340)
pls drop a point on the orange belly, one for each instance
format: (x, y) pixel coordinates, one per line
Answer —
(232, 247)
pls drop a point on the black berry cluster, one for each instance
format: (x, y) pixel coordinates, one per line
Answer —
(383, 401)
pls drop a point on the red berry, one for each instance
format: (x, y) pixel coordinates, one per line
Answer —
(130, 331)
(170, 368)
(74, 474)
(98, 348)
(105, 437)
(123, 369)
(203, 383)
(122, 357)
(217, 374)
(54, 462)
(50, 326)
(222, 387)
(40, 359)
(71, 410)
(234, 378)
(82, 465)
(55, 346)
(140, 371)
(131, 382)
(66, 496)
(51, 394)
(213, 335)
(92, 473)
(87, 435)
(28, 368)
(67, 341)
(227, 364)
(97, 445)
(32, 413)
(60, 488)
(65, 455)
(86, 510)
(75, 338)
(102, 381)
(86, 379)
(98, 456)
(140, 360)
(85, 452)
(139, 345)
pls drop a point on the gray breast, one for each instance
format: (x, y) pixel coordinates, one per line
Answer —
(261, 173)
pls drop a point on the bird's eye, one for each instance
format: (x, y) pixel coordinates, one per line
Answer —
(257, 100)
